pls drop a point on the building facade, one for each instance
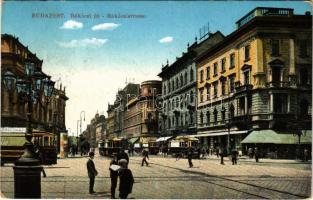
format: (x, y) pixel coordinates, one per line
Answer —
(178, 115)
(48, 113)
(257, 78)
(141, 113)
(116, 111)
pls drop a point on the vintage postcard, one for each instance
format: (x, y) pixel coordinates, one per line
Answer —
(156, 99)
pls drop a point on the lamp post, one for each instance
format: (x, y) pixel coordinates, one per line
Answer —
(80, 132)
(78, 121)
(27, 170)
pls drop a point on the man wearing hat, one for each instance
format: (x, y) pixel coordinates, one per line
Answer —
(126, 179)
(92, 172)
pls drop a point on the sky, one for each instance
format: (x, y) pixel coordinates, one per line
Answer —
(93, 57)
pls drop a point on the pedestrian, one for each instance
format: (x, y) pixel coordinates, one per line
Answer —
(306, 155)
(126, 179)
(203, 152)
(250, 152)
(222, 154)
(189, 156)
(113, 175)
(256, 154)
(217, 151)
(92, 172)
(145, 156)
(234, 156)
(123, 155)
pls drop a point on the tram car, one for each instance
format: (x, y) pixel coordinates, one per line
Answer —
(111, 146)
(180, 145)
(12, 147)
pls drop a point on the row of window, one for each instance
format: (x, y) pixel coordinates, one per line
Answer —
(215, 67)
(176, 83)
(179, 120)
(179, 102)
(215, 113)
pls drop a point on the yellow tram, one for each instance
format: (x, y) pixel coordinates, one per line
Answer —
(12, 147)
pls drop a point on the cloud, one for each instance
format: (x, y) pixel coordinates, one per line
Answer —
(167, 39)
(71, 24)
(105, 26)
(93, 42)
(92, 88)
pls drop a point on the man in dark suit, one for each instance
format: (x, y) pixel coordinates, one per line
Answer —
(123, 155)
(126, 179)
(189, 156)
(92, 172)
(113, 176)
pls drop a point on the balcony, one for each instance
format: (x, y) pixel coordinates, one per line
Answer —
(243, 88)
(278, 84)
(263, 11)
(241, 118)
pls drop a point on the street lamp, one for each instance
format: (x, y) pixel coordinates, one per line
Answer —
(80, 132)
(27, 169)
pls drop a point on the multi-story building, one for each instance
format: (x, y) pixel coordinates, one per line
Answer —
(95, 130)
(110, 120)
(141, 114)
(257, 78)
(117, 110)
(179, 89)
(48, 114)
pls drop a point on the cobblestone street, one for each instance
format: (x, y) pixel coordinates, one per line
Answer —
(168, 178)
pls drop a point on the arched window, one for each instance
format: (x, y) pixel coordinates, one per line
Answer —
(181, 80)
(215, 116)
(191, 74)
(208, 117)
(185, 78)
(304, 108)
(173, 104)
(164, 89)
(304, 76)
(169, 86)
(177, 102)
(177, 83)
(201, 118)
(231, 111)
(223, 114)
(191, 96)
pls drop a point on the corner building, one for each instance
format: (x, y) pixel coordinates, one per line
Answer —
(256, 81)
(178, 116)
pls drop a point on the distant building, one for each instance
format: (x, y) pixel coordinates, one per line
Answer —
(95, 130)
(116, 111)
(179, 90)
(141, 114)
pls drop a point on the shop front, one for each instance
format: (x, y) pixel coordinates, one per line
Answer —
(277, 144)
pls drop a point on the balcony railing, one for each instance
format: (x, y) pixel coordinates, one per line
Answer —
(243, 88)
(278, 84)
(241, 118)
(264, 11)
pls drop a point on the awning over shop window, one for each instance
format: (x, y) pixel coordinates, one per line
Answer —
(273, 137)
(146, 140)
(133, 140)
(186, 137)
(162, 139)
(220, 133)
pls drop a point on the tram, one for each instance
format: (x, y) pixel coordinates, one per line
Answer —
(180, 144)
(12, 147)
(111, 146)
